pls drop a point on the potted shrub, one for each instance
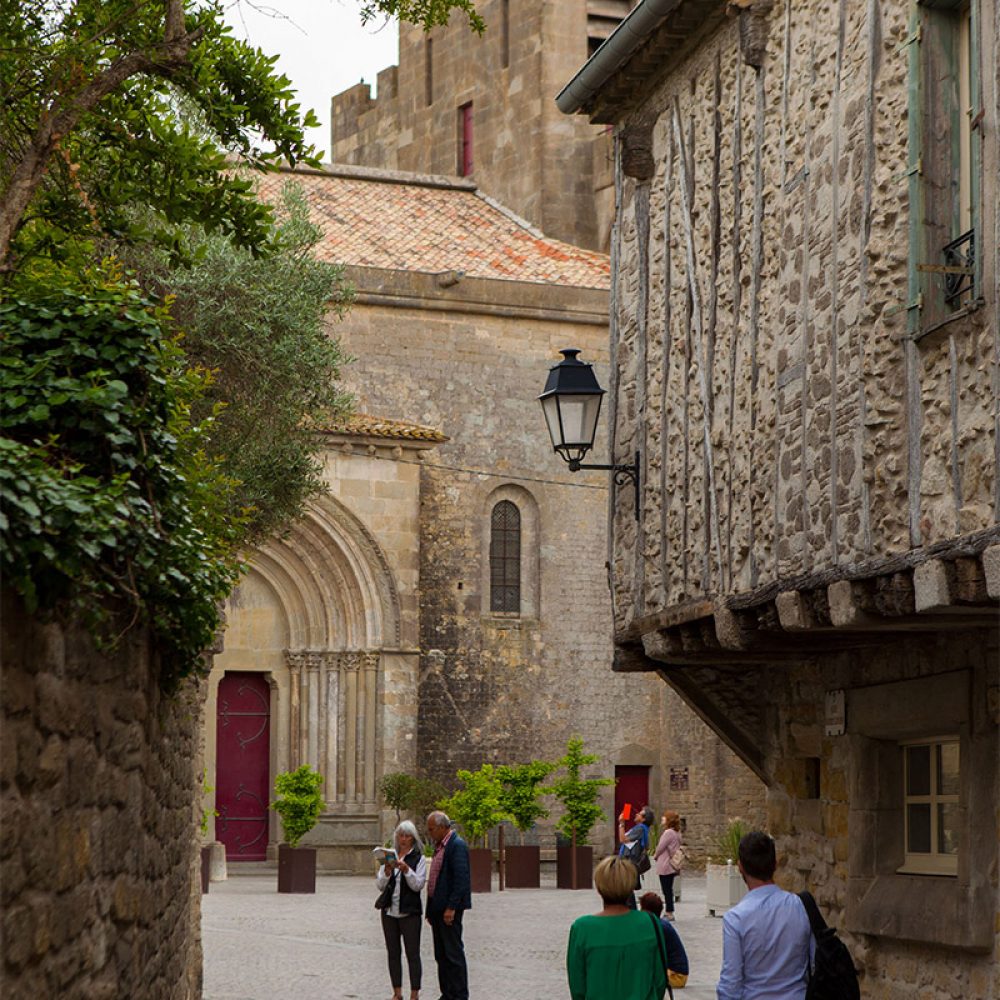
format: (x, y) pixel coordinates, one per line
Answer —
(725, 886)
(397, 789)
(298, 806)
(206, 849)
(578, 795)
(521, 790)
(477, 807)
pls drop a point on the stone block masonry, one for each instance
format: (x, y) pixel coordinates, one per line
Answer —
(98, 829)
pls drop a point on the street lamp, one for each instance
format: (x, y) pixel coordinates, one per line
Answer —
(571, 402)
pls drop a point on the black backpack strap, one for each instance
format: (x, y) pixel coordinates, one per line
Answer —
(816, 921)
(658, 934)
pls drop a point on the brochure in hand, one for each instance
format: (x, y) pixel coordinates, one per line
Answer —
(384, 855)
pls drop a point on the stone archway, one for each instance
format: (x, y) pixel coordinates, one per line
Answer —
(316, 614)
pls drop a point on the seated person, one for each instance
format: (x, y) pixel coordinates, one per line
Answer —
(677, 960)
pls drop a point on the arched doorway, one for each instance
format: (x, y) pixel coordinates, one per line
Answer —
(312, 632)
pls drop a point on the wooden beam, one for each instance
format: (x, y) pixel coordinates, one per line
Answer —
(718, 717)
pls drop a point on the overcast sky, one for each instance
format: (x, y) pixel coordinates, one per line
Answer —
(321, 47)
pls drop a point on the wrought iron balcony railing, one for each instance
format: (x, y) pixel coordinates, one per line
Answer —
(961, 255)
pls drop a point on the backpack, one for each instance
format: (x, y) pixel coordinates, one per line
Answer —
(832, 976)
(677, 859)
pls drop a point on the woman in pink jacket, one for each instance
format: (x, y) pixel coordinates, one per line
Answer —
(666, 848)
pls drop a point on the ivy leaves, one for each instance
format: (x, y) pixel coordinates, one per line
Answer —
(108, 497)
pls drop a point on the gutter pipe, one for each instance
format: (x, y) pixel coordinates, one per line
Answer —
(614, 52)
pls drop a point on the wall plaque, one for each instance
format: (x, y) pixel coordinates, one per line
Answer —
(678, 779)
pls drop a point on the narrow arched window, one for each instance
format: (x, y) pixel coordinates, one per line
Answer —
(505, 558)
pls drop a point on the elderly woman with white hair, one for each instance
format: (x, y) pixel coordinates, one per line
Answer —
(400, 883)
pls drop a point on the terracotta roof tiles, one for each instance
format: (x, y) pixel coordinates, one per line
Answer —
(411, 222)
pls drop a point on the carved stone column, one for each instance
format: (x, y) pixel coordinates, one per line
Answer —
(295, 660)
(371, 716)
(352, 662)
(311, 710)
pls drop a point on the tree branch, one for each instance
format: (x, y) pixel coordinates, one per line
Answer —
(56, 123)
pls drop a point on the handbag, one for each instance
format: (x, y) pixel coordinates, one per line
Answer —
(658, 933)
(678, 858)
(384, 900)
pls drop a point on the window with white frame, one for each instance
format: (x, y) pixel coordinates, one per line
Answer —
(931, 806)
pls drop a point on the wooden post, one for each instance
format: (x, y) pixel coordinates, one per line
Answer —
(502, 858)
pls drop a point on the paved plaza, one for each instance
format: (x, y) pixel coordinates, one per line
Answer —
(260, 945)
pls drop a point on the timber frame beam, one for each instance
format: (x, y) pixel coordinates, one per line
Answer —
(945, 587)
(718, 655)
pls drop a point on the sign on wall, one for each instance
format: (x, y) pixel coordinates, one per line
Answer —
(678, 779)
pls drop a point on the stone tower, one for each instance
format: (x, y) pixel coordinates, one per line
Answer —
(484, 107)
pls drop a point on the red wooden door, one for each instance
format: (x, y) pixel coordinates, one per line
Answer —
(242, 778)
(633, 787)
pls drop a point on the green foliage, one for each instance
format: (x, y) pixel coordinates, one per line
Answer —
(426, 13)
(149, 99)
(110, 104)
(577, 794)
(478, 805)
(300, 802)
(396, 789)
(521, 791)
(727, 844)
(109, 499)
(258, 324)
(206, 789)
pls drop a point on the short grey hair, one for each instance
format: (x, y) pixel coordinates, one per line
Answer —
(439, 819)
(407, 827)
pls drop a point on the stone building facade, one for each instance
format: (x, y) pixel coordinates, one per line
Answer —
(374, 634)
(98, 775)
(453, 89)
(807, 357)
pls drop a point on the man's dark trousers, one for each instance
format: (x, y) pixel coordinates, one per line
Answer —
(449, 953)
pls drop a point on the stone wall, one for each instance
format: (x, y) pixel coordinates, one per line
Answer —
(98, 853)
(525, 154)
(470, 360)
(935, 938)
(792, 412)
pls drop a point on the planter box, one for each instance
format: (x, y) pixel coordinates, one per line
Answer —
(206, 867)
(481, 869)
(725, 888)
(523, 867)
(296, 869)
(584, 868)
(217, 872)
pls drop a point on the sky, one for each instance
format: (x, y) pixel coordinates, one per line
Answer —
(321, 47)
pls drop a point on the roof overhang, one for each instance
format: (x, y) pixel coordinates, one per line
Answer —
(648, 40)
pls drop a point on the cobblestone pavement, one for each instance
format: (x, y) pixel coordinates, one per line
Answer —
(260, 945)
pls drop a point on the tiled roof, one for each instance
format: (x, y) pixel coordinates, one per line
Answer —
(411, 222)
(366, 425)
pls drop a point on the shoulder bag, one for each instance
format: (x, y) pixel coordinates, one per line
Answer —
(662, 948)
(384, 900)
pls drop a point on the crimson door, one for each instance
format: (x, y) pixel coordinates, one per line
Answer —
(632, 786)
(242, 779)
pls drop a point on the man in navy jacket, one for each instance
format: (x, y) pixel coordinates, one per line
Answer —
(449, 895)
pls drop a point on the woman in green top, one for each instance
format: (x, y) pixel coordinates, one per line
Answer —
(615, 953)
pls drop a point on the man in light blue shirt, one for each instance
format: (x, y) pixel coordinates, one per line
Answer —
(766, 937)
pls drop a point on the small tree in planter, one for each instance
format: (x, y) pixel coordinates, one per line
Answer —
(520, 798)
(397, 790)
(298, 807)
(724, 885)
(578, 795)
(477, 808)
